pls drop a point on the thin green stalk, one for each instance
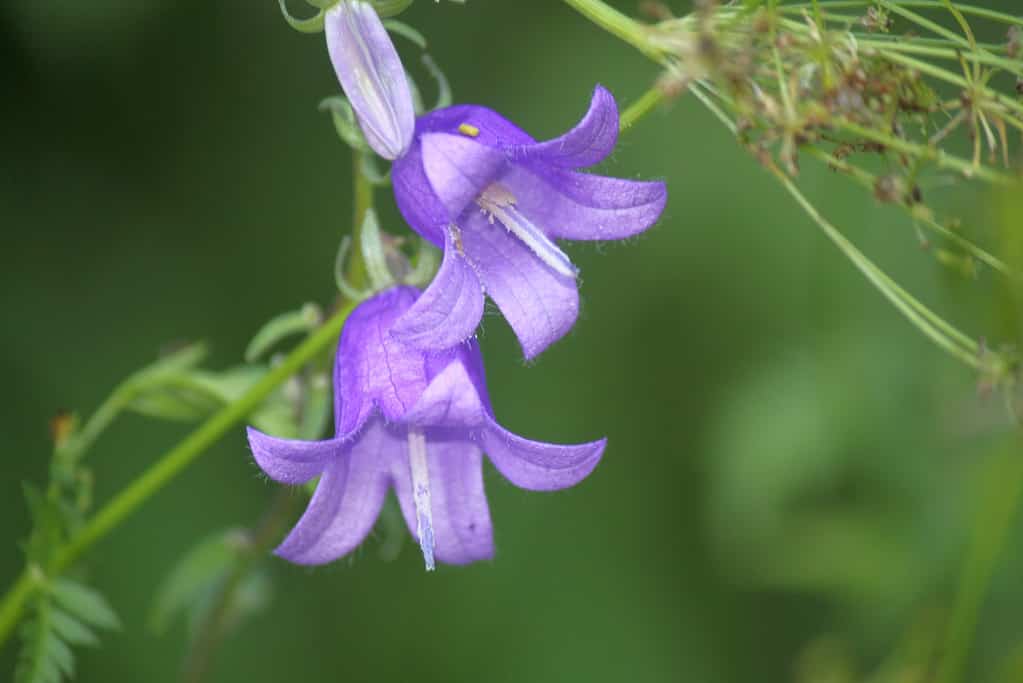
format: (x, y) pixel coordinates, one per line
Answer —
(171, 464)
(929, 323)
(938, 156)
(647, 102)
(982, 12)
(869, 180)
(999, 503)
(933, 326)
(618, 24)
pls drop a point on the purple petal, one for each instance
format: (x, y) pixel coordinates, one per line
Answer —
(413, 193)
(459, 169)
(580, 206)
(372, 76)
(589, 143)
(462, 531)
(451, 400)
(289, 461)
(447, 313)
(540, 466)
(487, 126)
(347, 500)
(372, 367)
(539, 304)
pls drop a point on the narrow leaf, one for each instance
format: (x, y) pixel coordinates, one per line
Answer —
(194, 575)
(85, 603)
(72, 630)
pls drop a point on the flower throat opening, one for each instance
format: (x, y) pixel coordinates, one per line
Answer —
(498, 203)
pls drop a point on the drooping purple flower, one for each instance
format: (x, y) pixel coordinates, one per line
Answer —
(371, 75)
(496, 200)
(416, 422)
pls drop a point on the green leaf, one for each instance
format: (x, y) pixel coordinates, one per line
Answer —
(201, 569)
(47, 526)
(72, 630)
(57, 651)
(85, 603)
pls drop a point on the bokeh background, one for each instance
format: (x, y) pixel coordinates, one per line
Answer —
(793, 471)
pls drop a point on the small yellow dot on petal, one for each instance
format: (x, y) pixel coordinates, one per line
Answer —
(469, 129)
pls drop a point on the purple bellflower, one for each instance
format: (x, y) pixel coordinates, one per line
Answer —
(495, 200)
(371, 75)
(416, 422)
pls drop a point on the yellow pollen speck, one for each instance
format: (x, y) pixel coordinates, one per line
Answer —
(469, 129)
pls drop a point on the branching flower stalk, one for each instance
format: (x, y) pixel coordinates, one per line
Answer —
(807, 79)
(888, 111)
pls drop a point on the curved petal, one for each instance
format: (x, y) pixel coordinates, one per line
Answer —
(482, 124)
(414, 195)
(459, 169)
(462, 531)
(373, 369)
(449, 311)
(289, 461)
(589, 143)
(347, 500)
(372, 76)
(540, 466)
(581, 206)
(540, 304)
(451, 400)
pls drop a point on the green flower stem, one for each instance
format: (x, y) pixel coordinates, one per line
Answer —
(647, 102)
(363, 201)
(869, 181)
(1001, 498)
(982, 12)
(938, 156)
(171, 464)
(614, 22)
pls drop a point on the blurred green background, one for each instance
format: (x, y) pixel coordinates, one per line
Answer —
(792, 471)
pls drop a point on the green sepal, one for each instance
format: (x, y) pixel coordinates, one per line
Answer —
(407, 32)
(390, 8)
(281, 327)
(313, 24)
(347, 127)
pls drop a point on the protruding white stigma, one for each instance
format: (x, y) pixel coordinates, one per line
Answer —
(497, 202)
(421, 495)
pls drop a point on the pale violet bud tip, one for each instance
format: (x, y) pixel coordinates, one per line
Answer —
(371, 75)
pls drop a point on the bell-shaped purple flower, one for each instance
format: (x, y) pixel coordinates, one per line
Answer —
(371, 75)
(416, 422)
(496, 200)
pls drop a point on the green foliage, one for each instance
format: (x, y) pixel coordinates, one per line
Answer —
(195, 577)
(64, 614)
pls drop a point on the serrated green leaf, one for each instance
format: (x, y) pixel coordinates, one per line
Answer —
(193, 577)
(57, 651)
(71, 629)
(85, 603)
